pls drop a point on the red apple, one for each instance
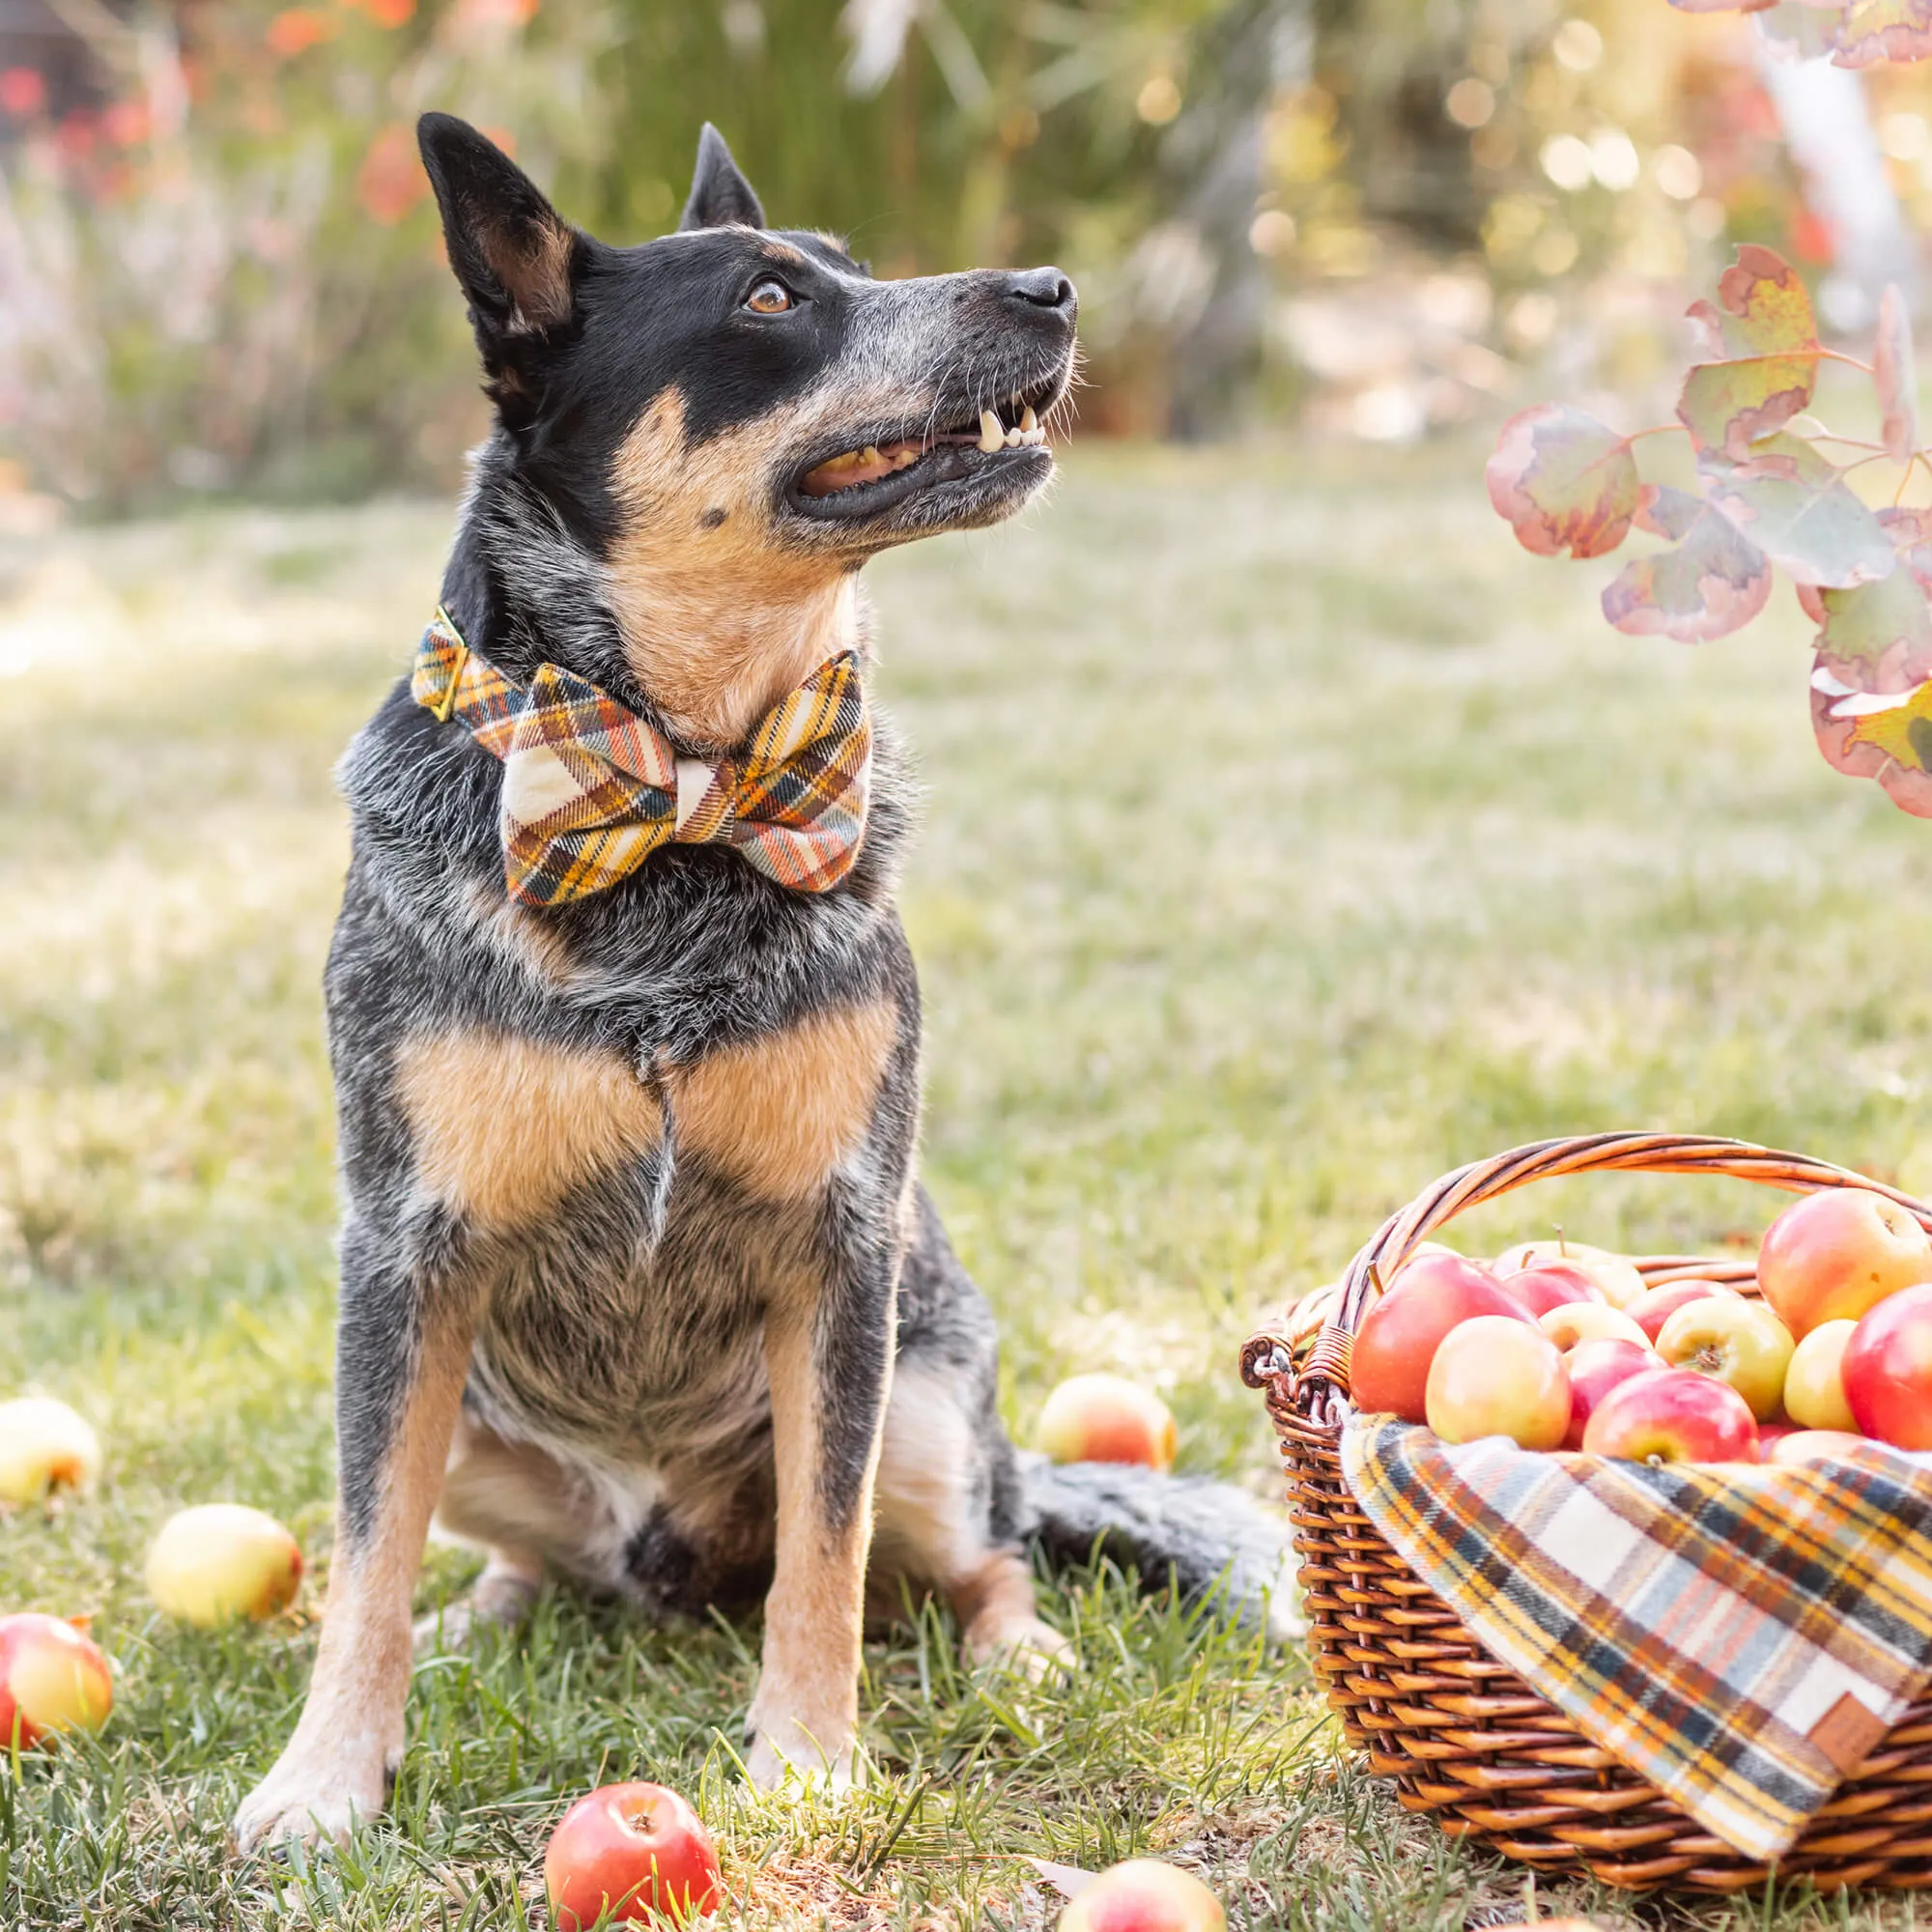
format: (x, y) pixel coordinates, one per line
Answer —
(52, 1678)
(1888, 1370)
(1814, 1385)
(1575, 1321)
(1740, 1342)
(1102, 1418)
(1553, 1285)
(1673, 1415)
(1595, 1368)
(1498, 1375)
(1813, 1445)
(1144, 1895)
(1389, 1370)
(1837, 1253)
(1615, 1274)
(638, 1850)
(1654, 1308)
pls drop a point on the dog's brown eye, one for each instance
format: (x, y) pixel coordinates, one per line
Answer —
(769, 298)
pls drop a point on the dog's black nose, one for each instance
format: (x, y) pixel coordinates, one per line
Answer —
(1043, 288)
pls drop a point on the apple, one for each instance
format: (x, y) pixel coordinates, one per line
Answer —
(1575, 1321)
(1495, 1375)
(223, 1560)
(1144, 1895)
(1652, 1309)
(1553, 1285)
(1813, 1445)
(1102, 1418)
(1616, 1275)
(1740, 1342)
(52, 1678)
(1595, 1368)
(45, 1446)
(1838, 1252)
(1814, 1385)
(1888, 1370)
(638, 1850)
(1673, 1415)
(1399, 1336)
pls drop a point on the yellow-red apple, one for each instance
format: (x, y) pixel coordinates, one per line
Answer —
(1496, 1375)
(1595, 1368)
(1577, 1321)
(1553, 1285)
(1888, 1370)
(1144, 1895)
(223, 1560)
(52, 1678)
(1813, 1445)
(1837, 1253)
(1617, 1275)
(45, 1446)
(1399, 1336)
(1740, 1342)
(1102, 1418)
(1673, 1415)
(1814, 1385)
(637, 1851)
(1652, 1309)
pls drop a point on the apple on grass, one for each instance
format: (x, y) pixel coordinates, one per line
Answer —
(1144, 1895)
(1575, 1321)
(1837, 1254)
(1740, 1342)
(1497, 1375)
(1102, 1418)
(45, 1446)
(637, 1851)
(1389, 1371)
(1814, 1385)
(1888, 1370)
(1595, 1368)
(52, 1678)
(1651, 1310)
(1673, 1415)
(223, 1560)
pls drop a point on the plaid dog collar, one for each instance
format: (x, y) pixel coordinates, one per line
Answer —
(590, 790)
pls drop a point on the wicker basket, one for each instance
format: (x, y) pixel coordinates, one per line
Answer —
(1466, 1740)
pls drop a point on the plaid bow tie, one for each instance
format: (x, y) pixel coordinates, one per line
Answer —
(590, 790)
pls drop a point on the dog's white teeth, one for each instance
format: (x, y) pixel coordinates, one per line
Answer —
(992, 434)
(1028, 420)
(1014, 437)
(868, 454)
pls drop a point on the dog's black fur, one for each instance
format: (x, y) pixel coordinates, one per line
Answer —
(632, 1218)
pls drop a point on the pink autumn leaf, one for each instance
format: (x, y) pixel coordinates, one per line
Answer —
(1884, 737)
(1715, 581)
(1564, 481)
(1872, 31)
(1762, 339)
(1877, 637)
(1895, 378)
(1792, 502)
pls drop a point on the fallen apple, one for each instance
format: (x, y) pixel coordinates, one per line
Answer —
(1575, 1321)
(1389, 1371)
(1104, 1418)
(223, 1560)
(637, 1851)
(1553, 1285)
(45, 1446)
(1673, 1415)
(1738, 1341)
(52, 1678)
(1144, 1895)
(1595, 1368)
(1838, 1252)
(1888, 1370)
(1617, 1275)
(1813, 1445)
(1814, 1385)
(1655, 1306)
(1498, 1375)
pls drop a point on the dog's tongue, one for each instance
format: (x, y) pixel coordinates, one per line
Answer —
(859, 466)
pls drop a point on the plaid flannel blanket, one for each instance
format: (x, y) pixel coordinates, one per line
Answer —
(1742, 1637)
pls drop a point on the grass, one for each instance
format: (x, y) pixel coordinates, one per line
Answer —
(1291, 838)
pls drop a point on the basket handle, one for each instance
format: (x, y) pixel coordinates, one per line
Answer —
(1321, 1392)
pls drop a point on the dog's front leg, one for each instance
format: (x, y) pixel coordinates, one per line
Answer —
(402, 1353)
(828, 1364)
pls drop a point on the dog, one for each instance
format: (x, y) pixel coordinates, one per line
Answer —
(638, 1283)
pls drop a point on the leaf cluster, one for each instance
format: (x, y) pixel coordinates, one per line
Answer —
(1853, 32)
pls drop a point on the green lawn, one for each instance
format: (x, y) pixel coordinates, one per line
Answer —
(1291, 838)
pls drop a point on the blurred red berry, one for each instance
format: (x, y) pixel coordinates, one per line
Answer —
(23, 90)
(296, 30)
(391, 181)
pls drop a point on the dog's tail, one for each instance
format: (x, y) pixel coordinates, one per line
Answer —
(1216, 1542)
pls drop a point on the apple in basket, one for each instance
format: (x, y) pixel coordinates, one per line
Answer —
(1144, 1895)
(1837, 1253)
(1888, 1370)
(1595, 1368)
(1655, 1306)
(1673, 1415)
(1814, 1385)
(1553, 1285)
(1400, 1335)
(1497, 1375)
(1740, 1342)
(1578, 1322)
(1616, 1275)
(1813, 1445)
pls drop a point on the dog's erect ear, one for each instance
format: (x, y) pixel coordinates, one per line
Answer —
(718, 194)
(513, 253)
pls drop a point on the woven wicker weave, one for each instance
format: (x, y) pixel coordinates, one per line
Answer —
(1468, 1741)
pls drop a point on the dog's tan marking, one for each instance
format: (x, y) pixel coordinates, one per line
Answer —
(505, 1127)
(515, 933)
(778, 1113)
(335, 1768)
(783, 251)
(533, 262)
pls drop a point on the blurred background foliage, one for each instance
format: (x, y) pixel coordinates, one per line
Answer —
(219, 266)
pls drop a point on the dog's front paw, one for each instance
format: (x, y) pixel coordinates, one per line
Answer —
(1035, 1650)
(779, 1746)
(311, 1796)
